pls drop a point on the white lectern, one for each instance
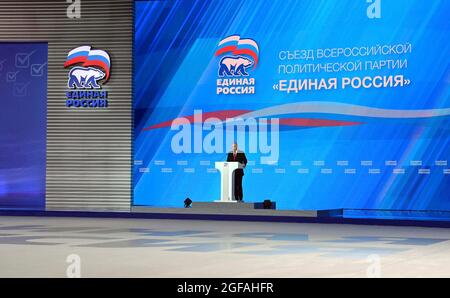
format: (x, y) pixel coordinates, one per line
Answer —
(227, 179)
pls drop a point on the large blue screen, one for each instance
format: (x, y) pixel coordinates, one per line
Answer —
(337, 103)
(23, 124)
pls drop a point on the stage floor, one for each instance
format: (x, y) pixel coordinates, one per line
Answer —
(40, 246)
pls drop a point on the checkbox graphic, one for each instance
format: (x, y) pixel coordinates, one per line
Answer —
(11, 76)
(20, 89)
(37, 70)
(23, 59)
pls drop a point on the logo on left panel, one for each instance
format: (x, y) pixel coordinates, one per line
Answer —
(89, 70)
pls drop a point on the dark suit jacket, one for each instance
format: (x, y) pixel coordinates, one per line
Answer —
(241, 158)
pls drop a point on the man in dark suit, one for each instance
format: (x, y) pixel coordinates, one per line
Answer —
(240, 157)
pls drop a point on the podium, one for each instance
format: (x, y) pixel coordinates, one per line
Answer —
(227, 180)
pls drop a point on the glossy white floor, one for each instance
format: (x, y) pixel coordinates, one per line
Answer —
(55, 247)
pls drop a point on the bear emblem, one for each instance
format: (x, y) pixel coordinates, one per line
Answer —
(81, 77)
(234, 66)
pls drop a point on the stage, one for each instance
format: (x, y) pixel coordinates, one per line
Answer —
(253, 211)
(234, 209)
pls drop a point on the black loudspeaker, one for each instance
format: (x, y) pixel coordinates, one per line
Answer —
(187, 203)
(267, 204)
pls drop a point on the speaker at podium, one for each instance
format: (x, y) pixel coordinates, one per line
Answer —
(226, 169)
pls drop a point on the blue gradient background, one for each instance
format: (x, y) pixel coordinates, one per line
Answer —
(175, 73)
(23, 123)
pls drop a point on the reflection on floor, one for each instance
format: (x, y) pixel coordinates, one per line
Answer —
(37, 246)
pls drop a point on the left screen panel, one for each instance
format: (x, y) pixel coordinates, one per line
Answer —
(23, 123)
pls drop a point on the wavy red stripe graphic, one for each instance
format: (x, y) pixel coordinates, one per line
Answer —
(311, 122)
(227, 114)
(221, 115)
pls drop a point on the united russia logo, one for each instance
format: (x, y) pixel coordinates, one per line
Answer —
(89, 70)
(237, 56)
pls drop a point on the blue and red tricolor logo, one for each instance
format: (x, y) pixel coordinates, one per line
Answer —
(85, 56)
(237, 56)
(236, 46)
(88, 67)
